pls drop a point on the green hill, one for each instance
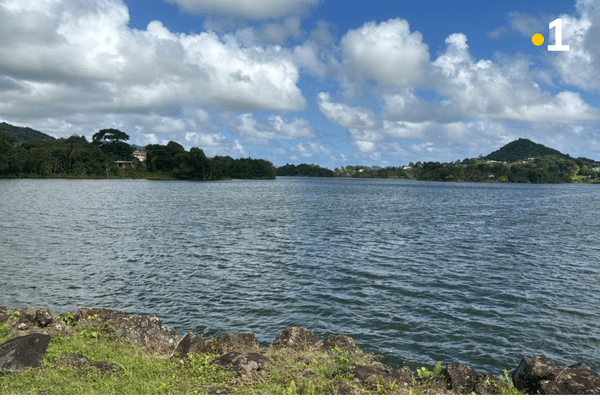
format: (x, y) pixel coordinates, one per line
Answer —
(521, 149)
(23, 134)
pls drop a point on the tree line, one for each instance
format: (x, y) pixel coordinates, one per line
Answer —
(546, 169)
(172, 158)
(75, 157)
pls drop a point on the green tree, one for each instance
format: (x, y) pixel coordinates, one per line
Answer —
(163, 158)
(112, 143)
(194, 166)
(7, 146)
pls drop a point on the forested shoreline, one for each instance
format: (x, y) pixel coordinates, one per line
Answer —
(520, 161)
(75, 157)
(546, 169)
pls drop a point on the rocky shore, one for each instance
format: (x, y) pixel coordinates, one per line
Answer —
(31, 330)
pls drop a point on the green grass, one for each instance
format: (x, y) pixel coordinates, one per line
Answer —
(140, 373)
(291, 371)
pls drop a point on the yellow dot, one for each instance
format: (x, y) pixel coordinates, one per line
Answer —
(537, 39)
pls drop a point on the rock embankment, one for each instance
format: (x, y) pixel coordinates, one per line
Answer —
(32, 329)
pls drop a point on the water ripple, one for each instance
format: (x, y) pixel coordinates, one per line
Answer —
(422, 272)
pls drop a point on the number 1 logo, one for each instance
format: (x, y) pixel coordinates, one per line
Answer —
(558, 46)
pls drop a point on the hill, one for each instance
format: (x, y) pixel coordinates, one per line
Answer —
(23, 134)
(521, 149)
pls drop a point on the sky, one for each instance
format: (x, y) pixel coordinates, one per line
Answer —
(325, 82)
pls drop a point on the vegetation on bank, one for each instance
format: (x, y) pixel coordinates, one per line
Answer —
(543, 169)
(22, 134)
(521, 161)
(139, 371)
(75, 157)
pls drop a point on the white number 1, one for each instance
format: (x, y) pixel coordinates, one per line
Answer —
(557, 23)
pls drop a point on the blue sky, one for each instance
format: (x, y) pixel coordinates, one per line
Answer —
(333, 83)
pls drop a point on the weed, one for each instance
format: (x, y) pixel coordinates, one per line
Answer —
(4, 333)
(291, 390)
(16, 314)
(68, 319)
(380, 386)
(506, 386)
(424, 373)
(308, 388)
(341, 363)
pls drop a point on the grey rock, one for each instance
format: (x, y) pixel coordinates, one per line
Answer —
(189, 344)
(462, 379)
(81, 361)
(23, 352)
(295, 337)
(343, 342)
(145, 330)
(544, 376)
(38, 316)
(4, 315)
(240, 341)
(245, 363)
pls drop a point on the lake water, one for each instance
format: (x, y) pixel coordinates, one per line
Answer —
(420, 272)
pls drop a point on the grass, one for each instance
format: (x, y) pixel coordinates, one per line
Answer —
(291, 371)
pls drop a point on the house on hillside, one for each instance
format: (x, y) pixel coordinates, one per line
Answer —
(140, 155)
(125, 164)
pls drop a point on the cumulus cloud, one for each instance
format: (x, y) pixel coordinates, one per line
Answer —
(307, 150)
(580, 65)
(386, 52)
(476, 101)
(345, 115)
(483, 89)
(256, 9)
(63, 58)
(527, 25)
(277, 128)
(272, 32)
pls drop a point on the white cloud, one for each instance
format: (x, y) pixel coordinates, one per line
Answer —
(345, 115)
(527, 25)
(307, 57)
(406, 105)
(62, 58)
(246, 8)
(484, 89)
(580, 65)
(272, 32)
(387, 52)
(306, 150)
(277, 128)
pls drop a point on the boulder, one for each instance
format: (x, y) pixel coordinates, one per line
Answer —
(189, 344)
(543, 375)
(343, 342)
(245, 363)
(240, 341)
(4, 315)
(101, 365)
(295, 337)
(145, 330)
(23, 352)
(462, 379)
(40, 317)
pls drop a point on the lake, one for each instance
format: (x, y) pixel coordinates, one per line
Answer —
(420, 272)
